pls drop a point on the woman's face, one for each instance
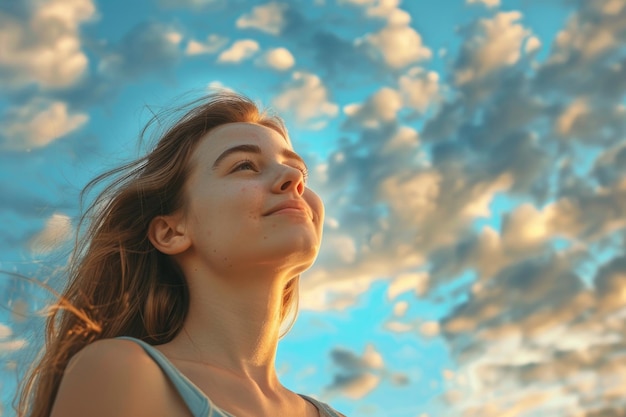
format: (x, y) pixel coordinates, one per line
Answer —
(247, 203)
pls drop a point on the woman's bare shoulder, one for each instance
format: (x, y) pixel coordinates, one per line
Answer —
(114, 377)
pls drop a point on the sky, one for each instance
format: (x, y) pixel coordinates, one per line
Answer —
(471, 155)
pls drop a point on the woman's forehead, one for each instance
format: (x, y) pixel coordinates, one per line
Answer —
(220, 139)
(238, 133)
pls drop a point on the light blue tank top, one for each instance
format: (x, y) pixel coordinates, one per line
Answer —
(198, 403)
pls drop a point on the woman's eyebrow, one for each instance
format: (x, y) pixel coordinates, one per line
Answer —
(249, 148)
(239, 148)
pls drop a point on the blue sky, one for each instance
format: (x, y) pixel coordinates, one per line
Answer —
(471, 155)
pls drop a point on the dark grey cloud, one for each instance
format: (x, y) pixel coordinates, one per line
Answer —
(147, 48)
(358, 375)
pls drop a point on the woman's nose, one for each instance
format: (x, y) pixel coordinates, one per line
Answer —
(290, 179)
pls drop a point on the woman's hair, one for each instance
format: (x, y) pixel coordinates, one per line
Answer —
(118, 283)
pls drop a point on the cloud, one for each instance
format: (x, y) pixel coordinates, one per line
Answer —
(491, 44)
(38, 123)
(397, 44)
(419, 88)
(7, 342)
(306, 98)
(57, 230)
(338, 56)
(610, 283)
(400, 308)
(417, 282)
(194, 4)
(587, 39)
(239, 51)
(566, 121)
(382, 9)
(585, 59)
(430, 329)
(360, 375)
(148, 47)
(487, 3)
(535, 327)
(45, 47)
(279, 59)
(610, 166)
(213, 44)
(268, 18)
(379, 109)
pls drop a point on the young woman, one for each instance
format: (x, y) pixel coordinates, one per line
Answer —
(181, 283)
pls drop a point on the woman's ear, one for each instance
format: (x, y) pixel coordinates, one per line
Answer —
(168, 234)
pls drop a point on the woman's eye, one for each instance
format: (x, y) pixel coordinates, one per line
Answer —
(244, 166)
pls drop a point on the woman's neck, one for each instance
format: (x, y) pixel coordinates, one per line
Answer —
(233, 324)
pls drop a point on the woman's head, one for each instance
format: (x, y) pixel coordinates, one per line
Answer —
(246, 209)
(119, 283)
(118, 261)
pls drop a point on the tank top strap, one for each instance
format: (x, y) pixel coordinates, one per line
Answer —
(325, 409)
(198, 403)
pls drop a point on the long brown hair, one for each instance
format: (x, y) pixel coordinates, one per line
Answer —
(118, 283)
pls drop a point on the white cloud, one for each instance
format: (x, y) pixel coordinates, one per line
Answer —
(430, 329)
(174, 37)
(419, 88)
(382, 107)
(46, 49)
(533, 44)
(57, 230)
(306, 98)
(239, 51)
(358, 2)
(488, 3)
(382, 9)
(268, 18)
(38, 123)
(588, 36)
(359, 375)
(194, 4)
(416, 282)
(213, 44)
(413, 200)
(372, 358)
(566, 122)
(405, 138)
(338, 248)
(7, 342)
(479, 204)
(495, 43)
(279, 59)
(400, 308)
(5, 331)
(396, 45)
(613, 7)
(399, 327)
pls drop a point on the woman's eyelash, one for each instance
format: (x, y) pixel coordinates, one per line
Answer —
(305, 173)
(243, 164)
(246, 163)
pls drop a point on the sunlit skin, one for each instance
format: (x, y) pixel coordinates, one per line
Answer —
(237, 253)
